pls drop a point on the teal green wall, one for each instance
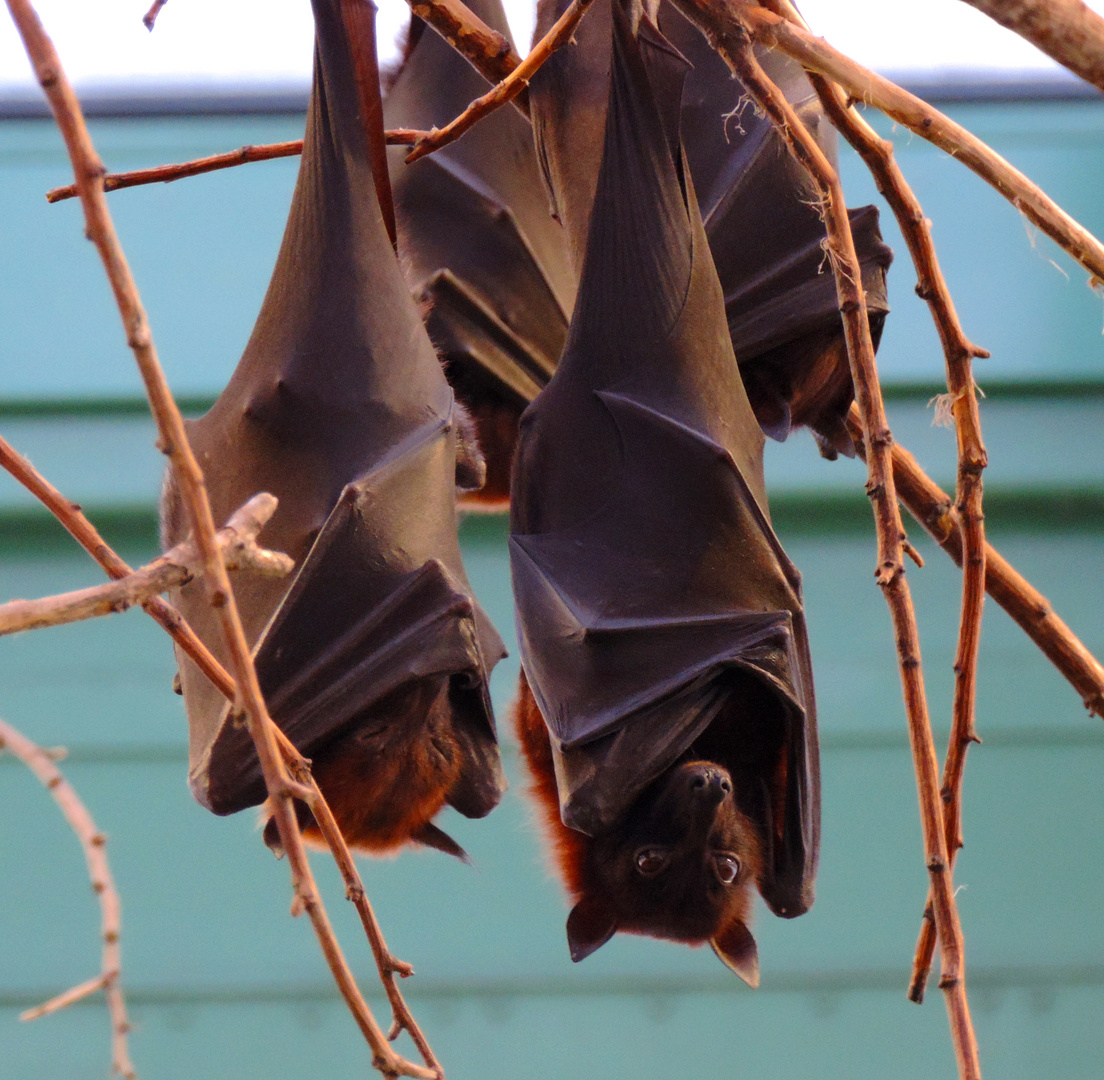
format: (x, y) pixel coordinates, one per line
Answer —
(221, 981)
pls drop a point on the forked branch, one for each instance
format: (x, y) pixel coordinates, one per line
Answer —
(279, 784)
(93, 842)
(734, 44)
(934, 510)
(508, 88)
(85, 533)
(727, 17)
(488, 51)
(958, 352)
(237, 540)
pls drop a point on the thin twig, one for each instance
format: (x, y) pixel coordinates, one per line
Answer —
(237, 539)
(958, 352)
(150, 17)
(508, 88)
(488, 51)
(734, 44)
(934, 510)
(861, 84)
(82, 530)
(93, 842)
(387, 964)
(166, 174)
(280, 786)
(359, 17)
(1068, 31)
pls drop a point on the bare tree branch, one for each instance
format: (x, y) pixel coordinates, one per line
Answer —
(508, 88)
(82, 530)
(726, 17)
(93, 842)
(734, 44)
(237, 539)
(1068, 31)
(488, 51)
(934, 510)
(280, 786)
(150, 17)
(166, 174)
(958, 352)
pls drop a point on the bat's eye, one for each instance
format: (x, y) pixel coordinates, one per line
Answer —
(650, 861)
(727, 868)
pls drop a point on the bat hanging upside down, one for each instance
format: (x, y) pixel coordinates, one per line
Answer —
(374, 658)
(666, 710)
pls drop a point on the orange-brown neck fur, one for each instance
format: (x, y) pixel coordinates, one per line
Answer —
(568, 846)
(386, 782)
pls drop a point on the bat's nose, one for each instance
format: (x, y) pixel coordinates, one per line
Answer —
(710, 783)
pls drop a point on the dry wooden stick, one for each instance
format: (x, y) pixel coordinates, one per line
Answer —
(165, 174)
(488, 51)
(93, 843)
(387, 964)
(359, 17)
(248, 700)
(734, 44)
(1068, 31)
(240, 551)
(934, 510)
(861, 84)
(508, 88)
(958, 352)
(83, 531)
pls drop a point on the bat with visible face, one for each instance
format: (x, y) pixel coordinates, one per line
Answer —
(660, 623)
(374, 658)
(481, 251)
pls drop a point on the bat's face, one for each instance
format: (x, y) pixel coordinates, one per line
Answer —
(681, 864)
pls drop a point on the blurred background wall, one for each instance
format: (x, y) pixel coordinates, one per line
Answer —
(221, 982)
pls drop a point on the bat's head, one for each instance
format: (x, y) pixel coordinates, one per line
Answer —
(681, 864)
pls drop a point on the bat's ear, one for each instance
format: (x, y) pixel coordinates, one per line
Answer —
(589, 926)
(736, 949)
(431, 836)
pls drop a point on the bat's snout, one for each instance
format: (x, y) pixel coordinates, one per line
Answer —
(710, 783)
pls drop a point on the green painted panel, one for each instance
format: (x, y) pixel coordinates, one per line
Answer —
(1016, 293)
(643, 1032)
(217, 967)
(109, 461)
(202, 250)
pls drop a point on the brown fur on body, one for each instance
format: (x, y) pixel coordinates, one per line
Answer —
(493, 412)
(656, 871)
(386, 781)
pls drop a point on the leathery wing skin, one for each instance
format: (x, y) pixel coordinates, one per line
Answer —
(339, 407)
(654, 601)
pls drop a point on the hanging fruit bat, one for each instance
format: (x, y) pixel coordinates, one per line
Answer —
(780, 294)
(660, 623)
(481, 252)
(374, 659)
(758, 208)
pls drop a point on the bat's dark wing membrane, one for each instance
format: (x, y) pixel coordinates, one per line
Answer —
(479, 246)
(648, 580)
(780, 295)
(338, 407)
(758, 206)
